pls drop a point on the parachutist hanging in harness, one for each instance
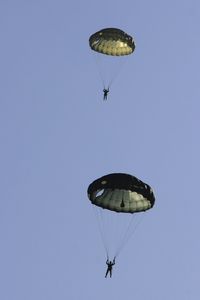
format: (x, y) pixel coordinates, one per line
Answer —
(110, 265)
(105, 93)
(115, 45)
(118, 199)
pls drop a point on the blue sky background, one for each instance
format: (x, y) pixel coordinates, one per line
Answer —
(57, 136)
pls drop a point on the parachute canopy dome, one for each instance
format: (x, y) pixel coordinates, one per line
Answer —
(121, 193)
(112, 41)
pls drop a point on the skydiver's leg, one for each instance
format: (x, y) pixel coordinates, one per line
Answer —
(106, 273)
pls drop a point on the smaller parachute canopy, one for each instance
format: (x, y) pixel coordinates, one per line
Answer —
(112, 41)
(121, 193)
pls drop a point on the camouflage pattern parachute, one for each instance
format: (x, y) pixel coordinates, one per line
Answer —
(112, 41)
(121, 193)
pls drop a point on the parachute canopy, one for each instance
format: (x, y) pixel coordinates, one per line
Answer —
(121, 193)
(112, 41)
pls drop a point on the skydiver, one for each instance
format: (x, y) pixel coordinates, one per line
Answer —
(105, 93)
(110, 265)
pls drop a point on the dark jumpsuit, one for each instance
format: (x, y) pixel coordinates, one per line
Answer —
(110, 264)
(105, 95)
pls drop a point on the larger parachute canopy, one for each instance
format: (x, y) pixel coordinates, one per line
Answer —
(121, 193)
(112, 41)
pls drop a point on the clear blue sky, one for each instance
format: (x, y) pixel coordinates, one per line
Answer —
(57, 135)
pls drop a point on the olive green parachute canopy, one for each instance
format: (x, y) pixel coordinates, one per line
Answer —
(121, 193)
(112, 41)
